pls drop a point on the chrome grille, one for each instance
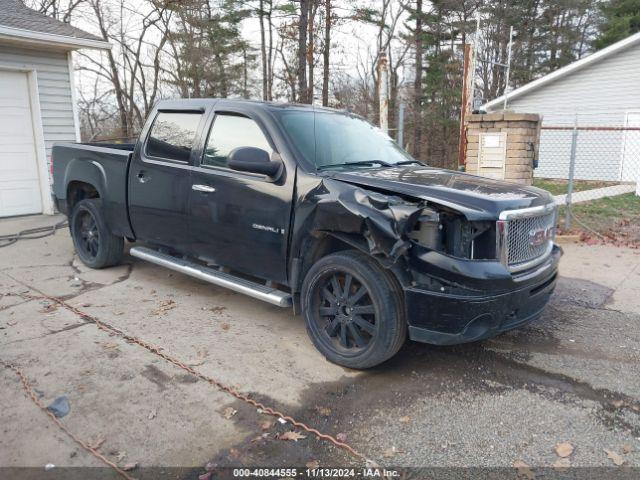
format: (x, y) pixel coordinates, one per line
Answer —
(520, 235)
(525, 236)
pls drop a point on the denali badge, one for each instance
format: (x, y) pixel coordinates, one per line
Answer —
(267, 228)
(538, 237)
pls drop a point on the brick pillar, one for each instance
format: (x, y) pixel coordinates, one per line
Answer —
(522, 132)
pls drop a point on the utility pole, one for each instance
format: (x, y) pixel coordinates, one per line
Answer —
(474, 62)
(467, 84)
(506, 84)
(383, 92)
(401, 124)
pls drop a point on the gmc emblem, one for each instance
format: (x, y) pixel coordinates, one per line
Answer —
(538, 237)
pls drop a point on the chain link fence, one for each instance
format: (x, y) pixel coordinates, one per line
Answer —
(591, 163)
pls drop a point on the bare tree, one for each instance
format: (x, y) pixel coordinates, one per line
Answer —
(303, 22)
(59, 9)
(417, 83)
(134, 68)
(326, 52)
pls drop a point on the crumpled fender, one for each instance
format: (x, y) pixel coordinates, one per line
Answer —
(344, 210)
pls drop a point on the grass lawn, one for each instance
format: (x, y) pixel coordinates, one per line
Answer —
(559, 187)
(617, 216)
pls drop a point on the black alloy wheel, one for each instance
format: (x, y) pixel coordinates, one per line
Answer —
(346, 315)
(88, 237)
(353, 309)
(96, 245)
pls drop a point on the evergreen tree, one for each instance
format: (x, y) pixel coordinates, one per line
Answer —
(621, 19)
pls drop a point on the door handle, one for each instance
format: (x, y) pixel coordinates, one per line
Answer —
(142, 178)
(203, 188)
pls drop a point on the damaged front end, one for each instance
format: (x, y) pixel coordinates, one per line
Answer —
(457, 285)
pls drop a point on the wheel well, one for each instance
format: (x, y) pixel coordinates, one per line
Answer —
(77, 191)
(315, 248)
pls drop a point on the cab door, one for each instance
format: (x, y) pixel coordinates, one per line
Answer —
(160, 179)
(236, 219)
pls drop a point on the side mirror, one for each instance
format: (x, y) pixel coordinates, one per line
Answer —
(253, 160)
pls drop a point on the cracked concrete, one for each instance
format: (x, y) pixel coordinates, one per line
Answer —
(568, 377)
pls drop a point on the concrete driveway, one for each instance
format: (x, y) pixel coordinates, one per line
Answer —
(571, 377)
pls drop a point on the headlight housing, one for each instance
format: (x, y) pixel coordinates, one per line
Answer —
(450, 232)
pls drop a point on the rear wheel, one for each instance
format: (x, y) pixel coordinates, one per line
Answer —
(96, 246)
(353, 310)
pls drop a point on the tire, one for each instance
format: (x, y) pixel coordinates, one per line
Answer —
(96, 246)
(353, 329)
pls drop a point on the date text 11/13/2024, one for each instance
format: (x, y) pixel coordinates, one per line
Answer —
(315, 472)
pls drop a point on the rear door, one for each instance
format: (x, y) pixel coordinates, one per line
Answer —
(236, 219)
(159, 179)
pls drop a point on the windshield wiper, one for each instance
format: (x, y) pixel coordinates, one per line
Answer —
(363, 162)
(409, 162)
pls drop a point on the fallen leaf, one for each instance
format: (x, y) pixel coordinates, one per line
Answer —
(341, 437)
(405, 419)
(562, 463)
(225, 326)
(164, 306)
(11, 323)
(234, 453)
(313, 464)
(524, 469)
(120, 455)
(324, 411)
(229, 412)
(205, 476)
(260, 438)
(265, 424)
(615, 457)
(152, 414)
(130, 466)
(564, 449)
(390, 452)
(210, 466)
(291, 435)
(617, 403)
(627, 449)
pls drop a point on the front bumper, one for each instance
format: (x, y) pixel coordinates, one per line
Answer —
(485, 303)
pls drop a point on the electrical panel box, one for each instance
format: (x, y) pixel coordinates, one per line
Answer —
(492, 154)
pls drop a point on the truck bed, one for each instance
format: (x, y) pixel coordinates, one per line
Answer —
(104, 165)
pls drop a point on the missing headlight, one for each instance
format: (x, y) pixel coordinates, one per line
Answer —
(428, 230)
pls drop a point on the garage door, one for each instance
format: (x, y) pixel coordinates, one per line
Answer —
(19, 180)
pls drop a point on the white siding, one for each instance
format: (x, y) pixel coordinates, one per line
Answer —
(610, 85)
(600, 94)
(54, 88)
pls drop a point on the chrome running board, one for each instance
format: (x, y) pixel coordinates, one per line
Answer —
(217, 277)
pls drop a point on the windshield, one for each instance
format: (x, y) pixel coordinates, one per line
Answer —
(334, 140)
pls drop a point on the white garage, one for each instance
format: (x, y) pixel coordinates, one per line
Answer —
(37, 102)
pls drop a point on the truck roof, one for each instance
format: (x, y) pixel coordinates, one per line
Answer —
(196, 103)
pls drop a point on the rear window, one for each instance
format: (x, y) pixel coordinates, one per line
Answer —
(172, 135)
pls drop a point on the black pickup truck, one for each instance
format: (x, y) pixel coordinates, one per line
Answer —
(316, 209)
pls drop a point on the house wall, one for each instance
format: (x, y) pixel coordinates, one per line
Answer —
(600, 94)
(54, 89)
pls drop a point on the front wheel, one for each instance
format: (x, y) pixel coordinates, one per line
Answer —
(353, 310)
(96, 246)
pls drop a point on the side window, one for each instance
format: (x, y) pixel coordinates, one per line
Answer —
(172, 135)
(229, 132)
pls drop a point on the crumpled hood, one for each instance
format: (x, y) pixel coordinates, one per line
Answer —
(478, 198)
